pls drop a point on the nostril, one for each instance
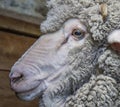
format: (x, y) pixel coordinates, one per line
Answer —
(14, 77)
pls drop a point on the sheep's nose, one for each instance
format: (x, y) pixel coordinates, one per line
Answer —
(15, 77)
(16, 74)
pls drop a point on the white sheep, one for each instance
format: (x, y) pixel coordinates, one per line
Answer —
(77, 62)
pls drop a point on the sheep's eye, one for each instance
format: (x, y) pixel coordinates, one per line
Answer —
(78, 34)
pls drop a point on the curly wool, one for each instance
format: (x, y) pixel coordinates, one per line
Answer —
(109, 63)
(87, 11)
(99, 91)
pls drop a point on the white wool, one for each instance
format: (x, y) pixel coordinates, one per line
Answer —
(99, 90)
(114, 37)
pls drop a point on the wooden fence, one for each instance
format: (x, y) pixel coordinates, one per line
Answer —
(17, 33)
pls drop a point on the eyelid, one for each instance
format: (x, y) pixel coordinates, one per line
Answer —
(79, 29)
(82, 28)
(67, 30)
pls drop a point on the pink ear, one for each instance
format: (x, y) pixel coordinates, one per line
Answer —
(116, 46)
(114, 40)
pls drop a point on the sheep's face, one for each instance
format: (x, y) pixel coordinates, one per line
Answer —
(44, 62)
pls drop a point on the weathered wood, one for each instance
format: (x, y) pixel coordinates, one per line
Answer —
(12, 46)
(27, 7)
(23, 17)
(7, 96)
(19, 25)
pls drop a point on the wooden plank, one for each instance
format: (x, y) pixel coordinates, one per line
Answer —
(12, 46)
(23, 17)
(7, 96)
(19, 25)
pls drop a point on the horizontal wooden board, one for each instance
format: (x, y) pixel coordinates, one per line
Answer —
(12, 46)
(7, 96)
(19, 25)
(21, 16)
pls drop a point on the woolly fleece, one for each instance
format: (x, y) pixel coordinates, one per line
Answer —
(102, 87)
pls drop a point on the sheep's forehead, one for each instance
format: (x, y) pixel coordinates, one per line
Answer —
(87, 11)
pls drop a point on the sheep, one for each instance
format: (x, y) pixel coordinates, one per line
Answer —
(79, 66)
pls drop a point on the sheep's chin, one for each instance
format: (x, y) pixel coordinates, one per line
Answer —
(33, 93)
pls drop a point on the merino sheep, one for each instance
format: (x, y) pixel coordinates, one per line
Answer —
(77, 62)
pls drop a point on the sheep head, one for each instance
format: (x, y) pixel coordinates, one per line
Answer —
(47, 59)
(78, 38)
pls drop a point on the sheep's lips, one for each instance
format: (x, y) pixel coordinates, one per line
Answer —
(114, 40)
(31, 87)
(27, 82)
(31, 94)
(28, 88)
(20, 86)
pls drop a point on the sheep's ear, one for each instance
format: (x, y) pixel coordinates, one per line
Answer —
(114, 40)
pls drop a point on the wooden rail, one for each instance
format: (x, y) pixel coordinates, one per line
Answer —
(17, 33)
(22, 23)
(22, 17)
(19, 26)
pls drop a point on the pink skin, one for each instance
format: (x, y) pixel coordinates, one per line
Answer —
(116, 46)
(44, 62)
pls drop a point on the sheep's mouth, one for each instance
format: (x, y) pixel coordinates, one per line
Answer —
(29, 88)
(26, 92)
(23, 84)
(30, 93)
